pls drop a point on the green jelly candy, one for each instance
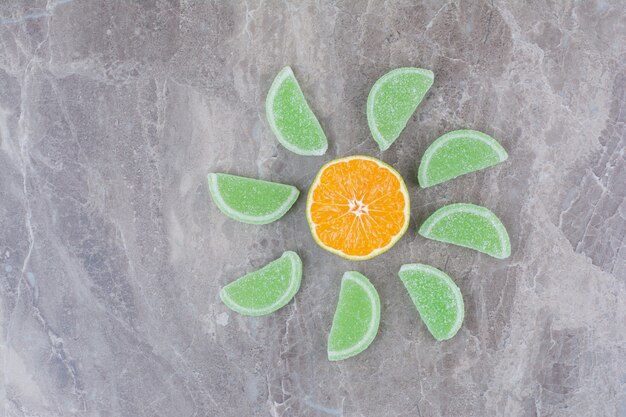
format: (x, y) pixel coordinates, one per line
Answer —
(471, 226)
(392, 101)
(356, 318)
(457, 153)
(249, 200)
(267, 289)
(290, 117)
(436, 297)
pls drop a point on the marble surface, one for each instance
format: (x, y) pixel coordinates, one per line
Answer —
(112, 254)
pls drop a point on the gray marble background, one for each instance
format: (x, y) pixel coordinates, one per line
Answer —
(112, 254)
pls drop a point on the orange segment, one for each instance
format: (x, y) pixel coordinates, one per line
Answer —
(358, 207)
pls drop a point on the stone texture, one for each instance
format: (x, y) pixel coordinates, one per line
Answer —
(112, 255)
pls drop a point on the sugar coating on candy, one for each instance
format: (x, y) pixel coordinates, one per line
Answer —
(471, 226)
(436, 297)
(457, 153)
(267, 289)
(290, 117)
(393, 99)
(249, 200)
(356, 319)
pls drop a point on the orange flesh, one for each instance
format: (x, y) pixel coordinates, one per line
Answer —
(358, 207)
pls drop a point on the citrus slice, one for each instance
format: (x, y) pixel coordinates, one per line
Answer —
(356, 319)
(267, 289)
(251, 201)
(393, 99)
(471, 226)
(357, 207)
(436, 297)
(290, 117)
(457, 153)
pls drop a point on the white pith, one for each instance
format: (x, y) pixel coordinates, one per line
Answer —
(378, 251)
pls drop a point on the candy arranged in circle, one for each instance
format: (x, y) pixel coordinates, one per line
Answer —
(249, 200)
(267, 289)
(471, 226)
(457, 153)
(393, 99)
(436, 297)
(356, 319)
(290, 117)
(357, 207)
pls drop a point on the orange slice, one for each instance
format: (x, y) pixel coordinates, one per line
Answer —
(358, 207)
